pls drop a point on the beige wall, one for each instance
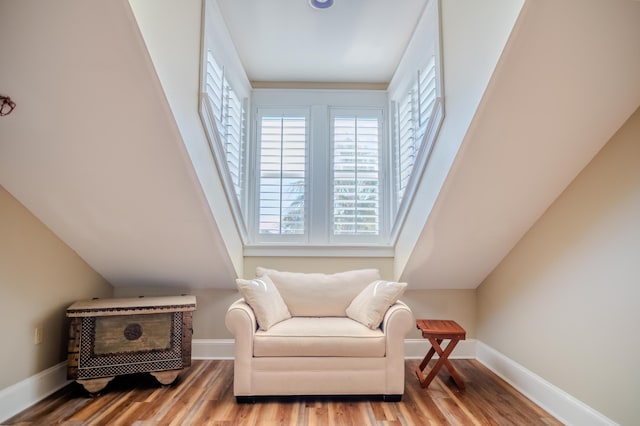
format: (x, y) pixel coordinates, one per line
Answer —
(39, 276)
(565, 302)
(458, 305)
(212, 304)
(208, 320)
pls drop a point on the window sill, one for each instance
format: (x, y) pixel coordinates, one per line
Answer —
(302, 250)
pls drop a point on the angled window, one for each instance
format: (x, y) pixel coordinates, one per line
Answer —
(413, 114)
(426, 96)
(229, 116)
(405, 137)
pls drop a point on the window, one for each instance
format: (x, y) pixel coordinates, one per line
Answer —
(282, 184)
(229, 116)
(315, 168)
(413, 116)
(318, 178)
(356, 175)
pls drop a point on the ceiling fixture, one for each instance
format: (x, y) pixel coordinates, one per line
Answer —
(321, 4)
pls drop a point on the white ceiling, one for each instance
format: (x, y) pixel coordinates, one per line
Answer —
(358, 41)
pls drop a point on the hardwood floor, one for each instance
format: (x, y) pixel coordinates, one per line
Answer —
(203, 395)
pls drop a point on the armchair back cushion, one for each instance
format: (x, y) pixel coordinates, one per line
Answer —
(319, 295)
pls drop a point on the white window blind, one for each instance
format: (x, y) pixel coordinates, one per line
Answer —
(427, 96)
(406, 123)
(356, 175)
(230, 120)
(413, 114)
(234, 124)
(282, 170)
(214, 86)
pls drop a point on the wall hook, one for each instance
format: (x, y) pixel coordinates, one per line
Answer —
(6, 105)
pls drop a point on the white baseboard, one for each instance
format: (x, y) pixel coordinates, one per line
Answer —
(417, 349)
(212, 349)
(414, 349)
(557, 402)
(23, 394)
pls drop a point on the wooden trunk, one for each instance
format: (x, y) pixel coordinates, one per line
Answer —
(113, 337)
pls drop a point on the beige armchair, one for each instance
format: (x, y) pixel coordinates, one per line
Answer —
(320, 349)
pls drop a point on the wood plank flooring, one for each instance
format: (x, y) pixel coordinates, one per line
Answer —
(203, 395)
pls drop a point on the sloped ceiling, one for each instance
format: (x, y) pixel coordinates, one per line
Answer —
(92, 148)
(568, 79)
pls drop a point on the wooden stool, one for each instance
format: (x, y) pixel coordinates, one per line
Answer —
(436, 331)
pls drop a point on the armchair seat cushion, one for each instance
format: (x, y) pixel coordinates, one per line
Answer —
(319, 336)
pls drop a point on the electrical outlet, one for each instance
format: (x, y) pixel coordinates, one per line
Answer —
(38, 334)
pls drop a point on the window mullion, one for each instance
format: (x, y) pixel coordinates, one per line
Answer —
(281, 188)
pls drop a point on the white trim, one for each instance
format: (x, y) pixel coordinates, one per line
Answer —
(317, 250)
(212, 348)
(557, 402)
(417, 349)
(29, 391)
(414, 349)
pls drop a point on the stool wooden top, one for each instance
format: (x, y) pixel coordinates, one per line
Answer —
(441, 329)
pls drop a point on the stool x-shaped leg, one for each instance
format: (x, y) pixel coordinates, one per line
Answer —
(436, 331)
(442, 360)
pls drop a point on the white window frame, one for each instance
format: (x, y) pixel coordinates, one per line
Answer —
(318, 241)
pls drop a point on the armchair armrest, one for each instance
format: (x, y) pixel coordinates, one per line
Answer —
(398, 319)
(241, 322)
(240, 317)
(397, 322)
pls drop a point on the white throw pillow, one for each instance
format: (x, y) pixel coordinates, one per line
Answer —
(372, 303)
(265, 300)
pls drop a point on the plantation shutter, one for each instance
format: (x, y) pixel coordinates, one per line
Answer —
(215, 88)
(230, 120)
(234, 125)
(427, 97)
(406, 139)
(282, 185)
(356, 175)
(413, 114)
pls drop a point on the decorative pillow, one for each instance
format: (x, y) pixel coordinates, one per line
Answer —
(370, 305)
(265, 300)
(319, 295)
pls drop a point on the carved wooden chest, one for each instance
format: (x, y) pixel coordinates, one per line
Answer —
(113, 337)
